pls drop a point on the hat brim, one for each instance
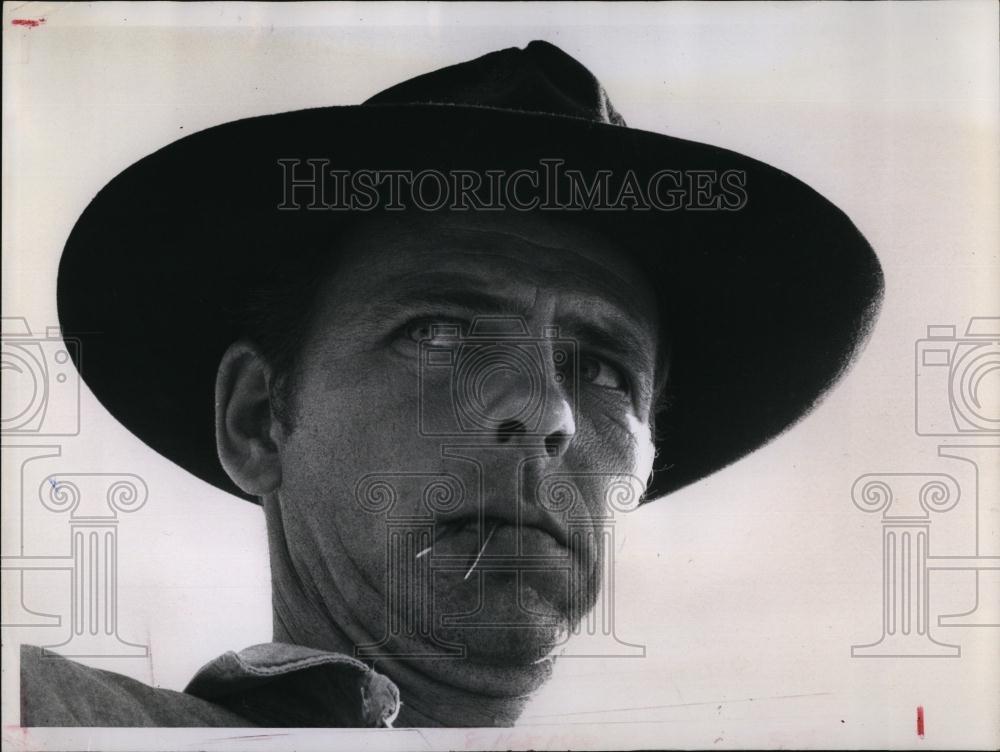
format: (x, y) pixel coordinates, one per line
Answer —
(765, 306)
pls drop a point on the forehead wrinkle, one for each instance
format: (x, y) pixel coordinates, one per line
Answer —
(579, 263)
(444, 286)
(499, 239)
(527, 283)
(570, 252)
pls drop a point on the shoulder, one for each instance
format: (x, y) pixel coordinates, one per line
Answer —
(56, 691)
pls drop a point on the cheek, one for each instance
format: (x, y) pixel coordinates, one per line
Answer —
(353, 415)
(610, 438)
(608, 448)
(356, 417)
(346, 428)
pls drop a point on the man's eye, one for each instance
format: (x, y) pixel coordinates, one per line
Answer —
(601, 373)
(418, 330)
(433, 332)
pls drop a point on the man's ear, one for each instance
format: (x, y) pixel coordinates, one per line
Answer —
(246, 429)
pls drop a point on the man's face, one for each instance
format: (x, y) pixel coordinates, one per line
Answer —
(519, 437)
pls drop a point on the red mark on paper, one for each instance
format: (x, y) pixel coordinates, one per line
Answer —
(29, 22)
(920, 721)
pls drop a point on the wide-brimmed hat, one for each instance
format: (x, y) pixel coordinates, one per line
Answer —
(766, 289)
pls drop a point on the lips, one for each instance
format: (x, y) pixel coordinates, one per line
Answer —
(500, 541)
(470, 526)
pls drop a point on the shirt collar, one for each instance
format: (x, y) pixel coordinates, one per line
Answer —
(280, 685)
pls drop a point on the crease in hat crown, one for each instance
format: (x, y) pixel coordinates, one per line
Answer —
(540, 78)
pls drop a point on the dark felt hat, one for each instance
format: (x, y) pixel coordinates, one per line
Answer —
(767, 298)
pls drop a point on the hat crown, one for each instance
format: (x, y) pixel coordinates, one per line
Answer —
(541, 78)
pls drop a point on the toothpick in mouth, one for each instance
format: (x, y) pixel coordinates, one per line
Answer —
(480, 554)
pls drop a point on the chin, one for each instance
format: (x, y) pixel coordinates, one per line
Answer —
(510, 623)
(506, 647)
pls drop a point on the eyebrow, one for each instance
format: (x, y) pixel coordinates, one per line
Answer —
(620, 339)
(612, 330)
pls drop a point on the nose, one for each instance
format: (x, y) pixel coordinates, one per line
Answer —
(554, 425)
(555, 442)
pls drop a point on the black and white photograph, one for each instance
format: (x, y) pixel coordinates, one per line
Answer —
(500, 376)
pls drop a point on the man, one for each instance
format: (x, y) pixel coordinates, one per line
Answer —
(449, 333)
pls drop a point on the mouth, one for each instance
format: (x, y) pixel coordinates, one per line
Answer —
(473, 526)
(498, 538)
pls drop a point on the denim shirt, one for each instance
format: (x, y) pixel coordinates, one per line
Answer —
(269, 685)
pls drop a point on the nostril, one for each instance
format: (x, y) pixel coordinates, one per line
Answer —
(554, 443)
(508, 429)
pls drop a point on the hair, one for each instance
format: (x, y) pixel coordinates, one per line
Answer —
(276, 314)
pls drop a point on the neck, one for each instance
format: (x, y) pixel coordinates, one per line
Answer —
(434, 691)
